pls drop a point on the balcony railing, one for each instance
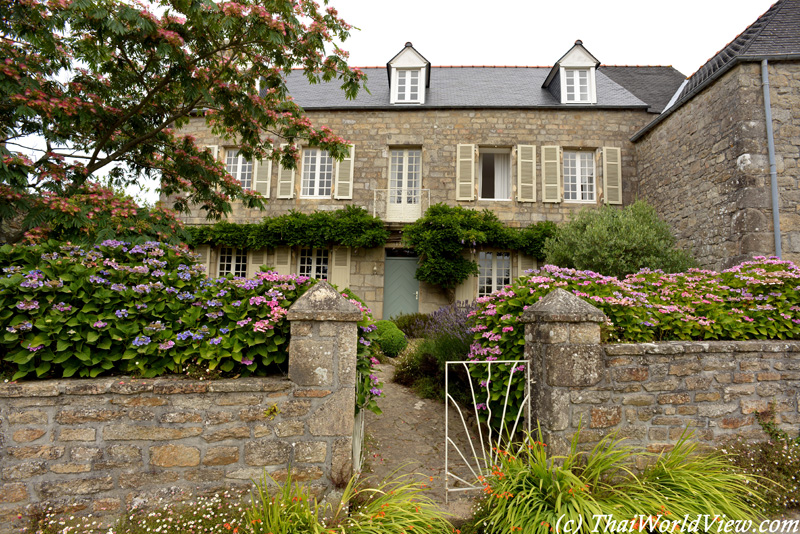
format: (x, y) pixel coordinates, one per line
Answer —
(400, 205)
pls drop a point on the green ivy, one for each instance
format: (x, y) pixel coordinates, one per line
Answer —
(442, 235)
(350, 226)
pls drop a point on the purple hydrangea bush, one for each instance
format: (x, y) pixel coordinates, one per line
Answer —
(144, 310)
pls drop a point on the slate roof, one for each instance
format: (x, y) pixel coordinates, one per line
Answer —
(654, 85)
(487, 87)
(774, 36)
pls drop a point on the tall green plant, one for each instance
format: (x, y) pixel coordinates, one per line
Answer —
(616, 242)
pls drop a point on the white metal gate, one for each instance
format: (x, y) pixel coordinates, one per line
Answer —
(481, 448)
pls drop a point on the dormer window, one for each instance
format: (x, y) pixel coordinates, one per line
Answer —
(577, 85)
(409, 76)
(408, 85)
(572, 78)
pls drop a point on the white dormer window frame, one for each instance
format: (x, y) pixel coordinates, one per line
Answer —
(578, 85)
(408, 86)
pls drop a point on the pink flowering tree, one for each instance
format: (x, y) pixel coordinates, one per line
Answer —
(108, 84)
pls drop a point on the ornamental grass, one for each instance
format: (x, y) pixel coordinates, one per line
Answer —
(534, 492)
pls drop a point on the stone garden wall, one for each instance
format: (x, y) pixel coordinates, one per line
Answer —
(103, 445)
(651, 392)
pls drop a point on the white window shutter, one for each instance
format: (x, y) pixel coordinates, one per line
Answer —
(285, 181)
(526, 173)
(465, 291)
(344, 176)
(255, 259)
(612, 175)
(465, 172)
(525, 263)
(262, 174)
(551, 174)
(340, 267)
(283, 260)
(205, 258)
(214, 149)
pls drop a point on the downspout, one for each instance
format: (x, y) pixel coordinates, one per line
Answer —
(773, 170)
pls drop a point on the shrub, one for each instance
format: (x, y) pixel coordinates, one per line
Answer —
(391, 340)
(754, 300)
(447, 337)
(144, 310)
(616, 242)
(533, 492)
(411, 324)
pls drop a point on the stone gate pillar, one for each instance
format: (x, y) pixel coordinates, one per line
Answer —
(322, 363)
(562, 346)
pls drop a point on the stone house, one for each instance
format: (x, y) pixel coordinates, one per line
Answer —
(722, 163)
(710, 152)
(529, 143)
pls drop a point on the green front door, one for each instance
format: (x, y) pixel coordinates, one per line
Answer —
(400, 288)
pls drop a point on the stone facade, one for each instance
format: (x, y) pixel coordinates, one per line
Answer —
(102, 445)
(705, 167)
(650, 393)
(437, 132)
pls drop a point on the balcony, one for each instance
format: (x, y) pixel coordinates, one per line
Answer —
(400, 205)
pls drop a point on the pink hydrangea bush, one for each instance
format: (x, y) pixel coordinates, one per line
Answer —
(757, 299)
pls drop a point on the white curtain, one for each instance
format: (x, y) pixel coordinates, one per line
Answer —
(502, 174)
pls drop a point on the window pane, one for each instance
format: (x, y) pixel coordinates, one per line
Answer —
(225, 261)
(317, 173)
(245, 173)
(309, 172)
(401, 84)
(485, 274)
(306, 262)
(413, 179)
(487, 175)
(240, 265)
(570, 176)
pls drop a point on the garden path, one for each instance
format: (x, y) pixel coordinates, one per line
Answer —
(409, 438)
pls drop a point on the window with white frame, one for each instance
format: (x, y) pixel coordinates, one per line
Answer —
(314, 263)
(317, 173)
(577, 85)
(495, 272)
(239, 168)
(232, 261)
(494, 174)
(405, 176)
(579, 177)
(408, 86)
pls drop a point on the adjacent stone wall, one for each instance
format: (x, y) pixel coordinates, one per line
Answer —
(705, 167)
(651, 392)
(99, 446)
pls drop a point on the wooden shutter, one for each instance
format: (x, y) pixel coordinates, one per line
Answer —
(285, 181)
(551, 174)
(255, 259)
(262, 174)
(205, 258)
(526, 173)
(465, 291)
(612, 175)
(465, 172)
(340, 267)
(283, 260)
(525, 263)
(214, 149)
(344, 176)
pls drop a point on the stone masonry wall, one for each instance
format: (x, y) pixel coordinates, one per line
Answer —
(437, 133)
(650, 393)
(706, 169)
(101, 445)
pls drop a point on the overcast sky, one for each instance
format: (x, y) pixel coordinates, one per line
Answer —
(681, 33)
